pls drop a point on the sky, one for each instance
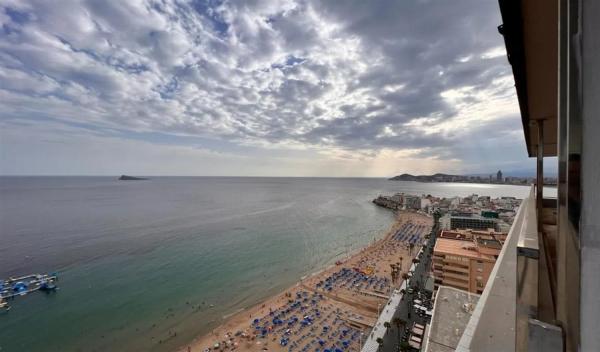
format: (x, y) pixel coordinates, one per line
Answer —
(256, 88)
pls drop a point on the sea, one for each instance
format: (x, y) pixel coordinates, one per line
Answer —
(149, 265)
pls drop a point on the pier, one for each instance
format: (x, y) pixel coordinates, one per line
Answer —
(23, 285)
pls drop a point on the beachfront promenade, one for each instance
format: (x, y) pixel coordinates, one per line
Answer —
(334, 310)
(403, 310)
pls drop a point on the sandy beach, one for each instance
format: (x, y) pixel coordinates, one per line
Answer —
(330, 310)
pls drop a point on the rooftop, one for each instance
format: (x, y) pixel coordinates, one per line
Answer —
(470, 233)
(459, 247)
(451, 313)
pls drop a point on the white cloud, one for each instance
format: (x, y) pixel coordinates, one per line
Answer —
(499, 51)
(359, 78)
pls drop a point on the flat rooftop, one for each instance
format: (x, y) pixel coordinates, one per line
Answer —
(459, 247)
(451, 313)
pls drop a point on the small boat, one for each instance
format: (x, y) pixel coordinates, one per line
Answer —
(48, 287)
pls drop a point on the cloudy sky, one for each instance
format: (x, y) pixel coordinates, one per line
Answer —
(278, 88)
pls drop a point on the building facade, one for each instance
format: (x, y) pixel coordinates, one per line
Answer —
(472, 222)
(412, 202)
(465, 259)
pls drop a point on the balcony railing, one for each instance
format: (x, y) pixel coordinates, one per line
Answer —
(509, 313)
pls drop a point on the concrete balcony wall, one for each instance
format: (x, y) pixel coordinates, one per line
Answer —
(492, 324)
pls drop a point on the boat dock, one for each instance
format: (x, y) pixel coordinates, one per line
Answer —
(23, 285)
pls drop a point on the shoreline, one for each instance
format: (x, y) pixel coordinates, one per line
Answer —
(349, 304)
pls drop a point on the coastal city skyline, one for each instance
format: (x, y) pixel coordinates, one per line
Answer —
(285, 88)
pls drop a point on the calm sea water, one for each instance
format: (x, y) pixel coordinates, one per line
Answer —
(142, 261)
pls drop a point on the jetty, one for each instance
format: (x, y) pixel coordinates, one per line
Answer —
(24, 285)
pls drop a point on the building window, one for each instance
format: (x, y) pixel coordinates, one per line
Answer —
(479, 284)
(480, 270)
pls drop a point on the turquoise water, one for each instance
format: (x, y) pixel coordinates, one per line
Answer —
(141, 262)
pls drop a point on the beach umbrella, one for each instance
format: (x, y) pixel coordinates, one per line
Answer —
(321, 342)
(256, 321)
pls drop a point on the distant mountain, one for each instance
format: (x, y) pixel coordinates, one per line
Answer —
(439, 177)
(131, 178)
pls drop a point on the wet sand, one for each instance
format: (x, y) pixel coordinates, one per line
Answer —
(331, 309)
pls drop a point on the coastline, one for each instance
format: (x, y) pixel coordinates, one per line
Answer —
(378, 255)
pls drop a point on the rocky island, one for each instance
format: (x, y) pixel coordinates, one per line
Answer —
(131, 178)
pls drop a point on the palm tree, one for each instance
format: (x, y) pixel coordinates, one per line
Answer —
(404, 346)
(387, 326)
(379, 341)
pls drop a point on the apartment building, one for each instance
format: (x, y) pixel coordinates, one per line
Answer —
(465, 259)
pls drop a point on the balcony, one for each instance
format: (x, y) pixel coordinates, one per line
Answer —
(453, 267)
(516, 306)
